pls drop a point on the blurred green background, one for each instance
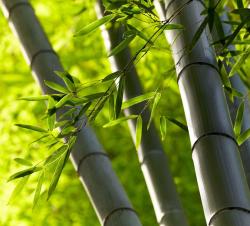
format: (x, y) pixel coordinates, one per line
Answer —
(86, 58)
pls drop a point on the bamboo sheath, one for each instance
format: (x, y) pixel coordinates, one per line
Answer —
(94, 168)
(220, 175)
(237, 84)
(154, 163)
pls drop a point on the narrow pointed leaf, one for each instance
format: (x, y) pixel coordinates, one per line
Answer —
(94, 25)
(238, 119)
(56, 87)
(138, 132)
(30, 127)
(111, 107)
(68, 79)
(243, 137)
(163, 127)
(156, 101)
(24, 173)
(23, 162)
(172, 27)
(120, 120)
(119, 97)
(112, 76)
(138, 99)
(122, 45)
(178, 123)
(139, 33)
(38, 189)
(63, 101)
(233, 92)
(35, 98)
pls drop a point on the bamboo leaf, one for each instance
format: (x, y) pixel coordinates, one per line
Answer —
(137, 100)
(172, 27)
(55, 155)
(120, 120)
(56, 87)
(163, 127)
(68, 80)
(178, 123)
(138, 132)
(240, 62)
(94, 25)
(233, 92)
(156, 102)
(112, 76)
(35, 98)
(22, 161)
(30, 127)
(38, 189)
(119, 97)
(24, 173)
(139, 33)
(238, 119)
(63, 101)
(243, 137)
(122, 45)
(19, 187)
(111, 107)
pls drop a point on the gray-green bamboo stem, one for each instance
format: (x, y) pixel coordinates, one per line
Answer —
(220, 175)
(152, 158)
(105, 192)
(237, 84)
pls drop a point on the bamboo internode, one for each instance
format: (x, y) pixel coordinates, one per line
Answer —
(105, 192)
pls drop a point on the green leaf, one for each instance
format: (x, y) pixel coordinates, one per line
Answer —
(63, 101)
(94, 25)
(156, 102)
(35, 98)
(138, 132)
(68, 80)
(243, 137)
(172, 27)
(198, 33)
(139, 33)
(112, 76)
(137, 100)
(55, 155)
(120, 120)
(238, 119)
(163, 127)
(240, 62)
(38, 189)
(178, 123)
(233, 92)
(111, 107)
(22, 161)
(56, 87)
(24, 173)
(122, 45)
(19, 187)
(30, 127)
(119, 97)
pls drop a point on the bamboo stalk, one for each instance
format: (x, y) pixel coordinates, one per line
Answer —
(154, 163)
(220, 175)
(94, 168)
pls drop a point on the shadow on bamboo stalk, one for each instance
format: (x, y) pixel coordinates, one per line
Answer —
(152, 158)
(218, 166)
(94, 168)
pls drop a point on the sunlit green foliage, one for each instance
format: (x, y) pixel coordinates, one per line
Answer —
(78, 41)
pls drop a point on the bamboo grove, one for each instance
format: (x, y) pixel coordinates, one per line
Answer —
(209, 46)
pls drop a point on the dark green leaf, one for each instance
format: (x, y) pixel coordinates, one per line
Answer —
(138, 132)
(172, 27)
(233, 92)
(120, 120)
(30, 127)
(56, 87)
(156, 101)
(243, 137)
(138, 99)
(111, 107)
(119, 97)
(178, 123)
(238, 119)
(122, 45)
(113, 76)
(94, 25)
(24, 173)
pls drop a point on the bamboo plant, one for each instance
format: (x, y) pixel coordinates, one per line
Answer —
(220, 175)
(94, 168)
(151, 156)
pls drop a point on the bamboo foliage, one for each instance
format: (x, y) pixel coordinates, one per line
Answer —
(94, 168)
(152, 158)
(220, 175)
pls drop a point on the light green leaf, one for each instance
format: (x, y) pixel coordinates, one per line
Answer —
(163, 127)
(38, 188)
(56, 87)
(68, 80)
(30, 127)
(122, 45)
(63, 101)
(172, 27)
(138, 132)
(243, 137)
(22, 161)
(120, 120)
(138, 99)
(139, 33)
(112, 76)
(156, 102)
(119, 97)
(19, 187)
(35, 98)
(94, 25)
(238, 119)
(54, 157)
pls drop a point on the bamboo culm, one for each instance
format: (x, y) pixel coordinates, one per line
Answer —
(219, 171)
(154, 163)
(94, 168)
